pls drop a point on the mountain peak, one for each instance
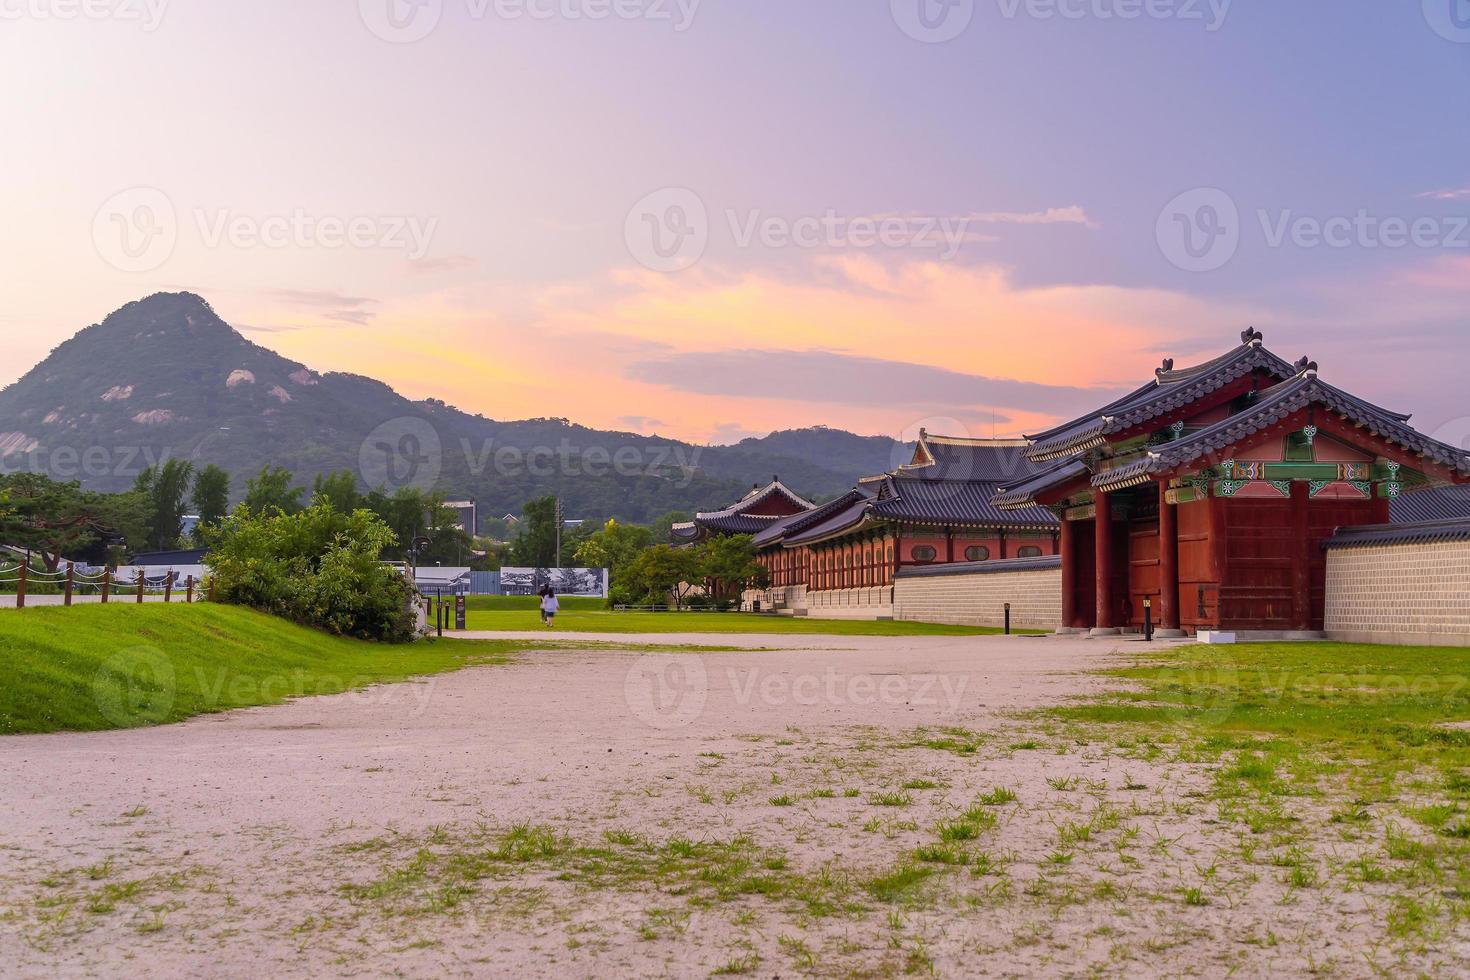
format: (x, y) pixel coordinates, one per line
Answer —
(180, 316)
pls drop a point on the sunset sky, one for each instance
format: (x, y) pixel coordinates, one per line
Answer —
(666, 219)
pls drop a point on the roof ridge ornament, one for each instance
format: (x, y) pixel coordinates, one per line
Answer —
(1306, 366)
(1252, 337)
(1167, 367)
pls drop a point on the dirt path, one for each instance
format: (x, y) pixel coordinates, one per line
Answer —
(826, 805)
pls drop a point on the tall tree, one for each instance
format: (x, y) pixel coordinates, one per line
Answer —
(338, 489)
(662, 573)
(270, 492)
(727, 564)
(614, 547)
(212, 495)
(535, 541)
(166, 490)
(61, 520)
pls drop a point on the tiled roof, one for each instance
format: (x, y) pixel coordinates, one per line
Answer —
(951, 458)
(1170, 391)
(1386, 534)
(844, 519)
(1431, 504)
(1273, 405)
(954, 502)
(1023, 494)
(783, 527)
(1041, 564)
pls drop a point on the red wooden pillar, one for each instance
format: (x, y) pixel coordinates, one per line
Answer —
(1301, 556)
(1103, 534)
(1381, 513)
(1168, 561)
(1069, 574)
(949, 544)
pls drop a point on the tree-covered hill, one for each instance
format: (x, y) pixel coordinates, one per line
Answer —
(166, 377)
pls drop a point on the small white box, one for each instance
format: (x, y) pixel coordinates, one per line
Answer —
(1215, 636)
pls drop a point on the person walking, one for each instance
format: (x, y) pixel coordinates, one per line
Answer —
(550, 606)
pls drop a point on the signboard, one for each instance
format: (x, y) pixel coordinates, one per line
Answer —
(563, 581)
(461, 613)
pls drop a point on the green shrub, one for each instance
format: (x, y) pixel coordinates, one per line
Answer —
(318, 567)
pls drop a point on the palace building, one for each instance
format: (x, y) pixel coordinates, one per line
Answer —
(755, 512)
(1205, 495)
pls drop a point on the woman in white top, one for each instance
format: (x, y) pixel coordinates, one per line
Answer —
(549, 608)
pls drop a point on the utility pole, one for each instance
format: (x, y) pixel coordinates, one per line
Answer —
(560, 516)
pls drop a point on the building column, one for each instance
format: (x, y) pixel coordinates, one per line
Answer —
(1103, 551)
(1169, 612)
(1069, 576)
(1301, 558)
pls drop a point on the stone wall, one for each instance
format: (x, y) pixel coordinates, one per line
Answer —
(1386, 589)
(976, 594)
(875, 602)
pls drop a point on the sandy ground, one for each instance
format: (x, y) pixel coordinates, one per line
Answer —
(331, 835)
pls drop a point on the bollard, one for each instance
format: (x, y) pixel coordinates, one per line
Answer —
(189, 594)
(440, 620)
(106, 585)
(1008, 619)
(1148, 620)
(142, 584)
(20, 586)
(71, 582)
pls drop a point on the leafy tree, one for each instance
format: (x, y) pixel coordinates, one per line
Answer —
(61, 520)
(661, 573)
(271, 492)
(614, 547)
(212, 495)
(727, 564)
(318, 567)
(535, 541)
(663, 526)
(339, 489)
(166, 490)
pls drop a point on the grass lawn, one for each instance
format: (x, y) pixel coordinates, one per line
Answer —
(1375, 737)
(89, 668)
(584, 615)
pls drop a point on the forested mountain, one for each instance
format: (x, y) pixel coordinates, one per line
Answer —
(166, 377)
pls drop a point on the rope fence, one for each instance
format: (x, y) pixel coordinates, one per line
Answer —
(24, 580)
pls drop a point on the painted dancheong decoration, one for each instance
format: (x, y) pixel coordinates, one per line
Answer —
(1209, 490)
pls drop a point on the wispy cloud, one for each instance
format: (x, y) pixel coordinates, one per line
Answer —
(353, 310)
(1452, 194)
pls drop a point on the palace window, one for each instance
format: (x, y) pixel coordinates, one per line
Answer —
(925, 552)
(1299, 448)
(1030, 551)
(977, 552)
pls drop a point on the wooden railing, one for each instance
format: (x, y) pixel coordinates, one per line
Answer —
(70, 582)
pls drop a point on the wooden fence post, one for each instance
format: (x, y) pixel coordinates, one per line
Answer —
(106, 584)
(20, 586)
(71, 582)
(168, 586)
(210, 589)
(189, 594)
(142, 583)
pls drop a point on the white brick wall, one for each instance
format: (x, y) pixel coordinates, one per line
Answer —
(979, 600)
(1402, 593)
